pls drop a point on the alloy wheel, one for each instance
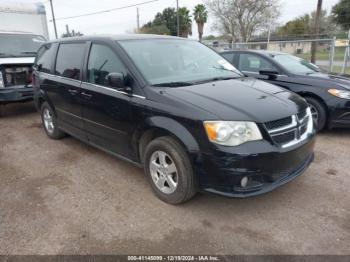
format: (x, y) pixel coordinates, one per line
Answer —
(314, 113)
(164, 172)
(48, 121)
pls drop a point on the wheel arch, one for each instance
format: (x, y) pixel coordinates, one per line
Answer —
(318, 98)
(163, 126)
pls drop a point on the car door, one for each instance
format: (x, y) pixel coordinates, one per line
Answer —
(106, 110)
(64, 94)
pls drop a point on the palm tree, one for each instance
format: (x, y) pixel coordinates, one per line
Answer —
(185, 22)
(200, 14)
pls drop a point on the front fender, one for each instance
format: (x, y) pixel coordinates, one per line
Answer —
(175, 128)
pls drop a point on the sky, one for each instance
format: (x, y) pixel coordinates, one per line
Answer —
(124, 21)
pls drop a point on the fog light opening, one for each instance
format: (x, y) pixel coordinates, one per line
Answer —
(244, 181)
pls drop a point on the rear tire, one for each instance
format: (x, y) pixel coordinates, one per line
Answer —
(49, 121)
(319, 113)
(169, 170)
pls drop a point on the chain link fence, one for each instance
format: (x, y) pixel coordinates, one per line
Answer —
(330, 54)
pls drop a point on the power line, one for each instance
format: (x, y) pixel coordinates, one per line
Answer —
(106, 11)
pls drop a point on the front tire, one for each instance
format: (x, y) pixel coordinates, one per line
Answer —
(318, 112)
(169, 171)
(49, 121)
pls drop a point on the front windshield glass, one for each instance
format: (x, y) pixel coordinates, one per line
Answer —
(19, 45)
(295, 64)
(169, 61)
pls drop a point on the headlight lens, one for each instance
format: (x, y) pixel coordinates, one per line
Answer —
(340, 93)
(1, 81)
(232, 133)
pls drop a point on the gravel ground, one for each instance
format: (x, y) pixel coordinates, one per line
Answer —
(64, 197)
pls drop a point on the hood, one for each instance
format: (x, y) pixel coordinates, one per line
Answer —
(16, 60)
(329, 79)
(241, 99)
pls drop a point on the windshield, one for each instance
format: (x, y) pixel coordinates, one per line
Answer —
(171, 61)
(295, 64)
(19, 45)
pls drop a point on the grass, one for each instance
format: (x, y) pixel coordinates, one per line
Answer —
(338, 55)
(337, 69)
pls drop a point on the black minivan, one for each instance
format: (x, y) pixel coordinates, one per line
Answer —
(177, 108)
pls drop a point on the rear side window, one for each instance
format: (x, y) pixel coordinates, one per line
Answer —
(69, 60)
(229, 57)
(254, 63)
(102, 61)
(44, 58)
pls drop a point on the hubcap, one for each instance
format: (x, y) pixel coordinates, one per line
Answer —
(314, 113)
(164, 172)
(48, 121)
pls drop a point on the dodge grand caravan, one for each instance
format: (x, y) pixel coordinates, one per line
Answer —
(178, 109)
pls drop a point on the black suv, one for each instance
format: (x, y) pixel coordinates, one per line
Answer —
(177, 108)
(328, 95)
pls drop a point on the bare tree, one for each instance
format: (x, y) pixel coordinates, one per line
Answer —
(240, 19)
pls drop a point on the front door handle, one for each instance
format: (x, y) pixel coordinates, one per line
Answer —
(73, 91)
(87, 96)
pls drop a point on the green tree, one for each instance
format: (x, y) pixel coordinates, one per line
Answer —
(341, 14)
(297, 26)
(304, 25)
(200, 14)
(166, 23)
(155, 29)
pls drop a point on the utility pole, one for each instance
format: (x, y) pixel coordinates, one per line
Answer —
(177, 17)
(138, 20)
(53, 19)
(316, 31)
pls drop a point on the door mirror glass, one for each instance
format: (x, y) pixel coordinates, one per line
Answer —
(116, 80)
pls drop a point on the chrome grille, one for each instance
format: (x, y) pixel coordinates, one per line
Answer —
(290, 130)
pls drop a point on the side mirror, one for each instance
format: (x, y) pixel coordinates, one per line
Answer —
(270, 73)
(116, 80)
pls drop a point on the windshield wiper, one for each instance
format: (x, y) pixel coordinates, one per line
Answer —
(219, 78)
(174, 84)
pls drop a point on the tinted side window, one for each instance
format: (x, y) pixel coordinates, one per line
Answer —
(69, 60)
(229, 57)
(102, 61)
(254, 63)
(44, 58)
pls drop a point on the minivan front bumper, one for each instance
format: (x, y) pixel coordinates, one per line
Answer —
(264, 165)
(18, 94)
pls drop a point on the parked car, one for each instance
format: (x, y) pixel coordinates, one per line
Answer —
(178, 109)
(328, 95)
(17, 54)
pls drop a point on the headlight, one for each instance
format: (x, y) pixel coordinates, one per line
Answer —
(232, 133)
(1, 81)
(339, 93)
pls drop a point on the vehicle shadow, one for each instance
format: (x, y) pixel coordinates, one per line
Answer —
(17, 109)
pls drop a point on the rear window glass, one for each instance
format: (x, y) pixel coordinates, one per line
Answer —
(69, 60)
(44, 58)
